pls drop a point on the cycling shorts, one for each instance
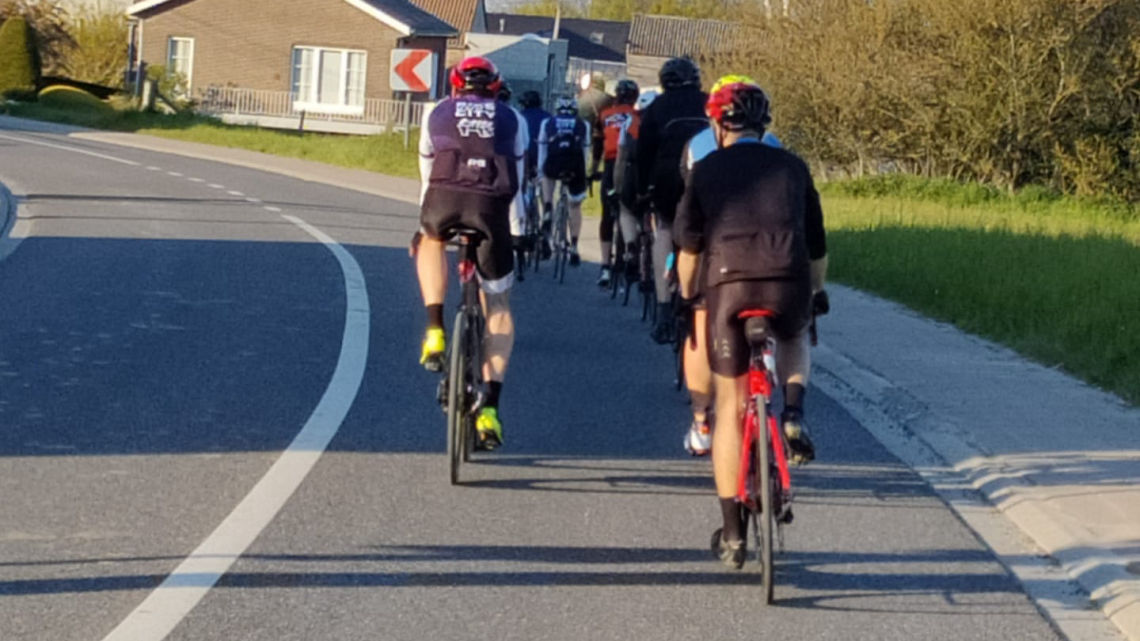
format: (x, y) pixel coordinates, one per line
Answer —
(788, 300)
(447, 211)
(572, 164)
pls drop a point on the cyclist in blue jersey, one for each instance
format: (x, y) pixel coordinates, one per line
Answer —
(534, 115)
(471, 160)
(563, 141)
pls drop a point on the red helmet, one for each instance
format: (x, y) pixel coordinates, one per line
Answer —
(739, 105)
(476, 74)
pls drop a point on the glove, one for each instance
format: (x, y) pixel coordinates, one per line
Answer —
(820, 304)
(596, 176)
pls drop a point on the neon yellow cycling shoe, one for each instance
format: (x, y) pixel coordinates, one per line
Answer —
(434, 347)
(489, 430)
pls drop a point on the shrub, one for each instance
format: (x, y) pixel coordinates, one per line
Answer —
(71, 98)
(100, 52)
(17, 63)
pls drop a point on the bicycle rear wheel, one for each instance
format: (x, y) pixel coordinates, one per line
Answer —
(456, 395)
(765, 532)
(473, 382)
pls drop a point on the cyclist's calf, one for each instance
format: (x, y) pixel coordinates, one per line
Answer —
(499, 339)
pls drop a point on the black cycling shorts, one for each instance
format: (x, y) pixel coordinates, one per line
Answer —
(789, 300)
(446, 211)
(573, 164)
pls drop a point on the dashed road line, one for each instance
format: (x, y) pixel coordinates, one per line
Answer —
(196, 180)
(234, 192)
(216, 186)
(174, 173)
(153, 168)
(251, 199)
(272, 209)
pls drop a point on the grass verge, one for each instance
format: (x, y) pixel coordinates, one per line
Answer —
(383, 153)
(1058, 282)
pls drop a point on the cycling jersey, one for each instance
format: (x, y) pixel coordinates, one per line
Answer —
(754, 212)
(612, 121)
(666, 125)
(704, 143)
(562, 145)
(471, 159)
(534, 117)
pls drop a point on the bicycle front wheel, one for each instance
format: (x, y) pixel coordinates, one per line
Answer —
(765, 532)
(456, 395)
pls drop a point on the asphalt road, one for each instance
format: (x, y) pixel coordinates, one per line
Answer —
(165, 334)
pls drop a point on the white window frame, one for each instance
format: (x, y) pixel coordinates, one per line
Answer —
(314, 105)
(190, 59)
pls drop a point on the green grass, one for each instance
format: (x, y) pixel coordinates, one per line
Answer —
(1058, 282)
(383, 153)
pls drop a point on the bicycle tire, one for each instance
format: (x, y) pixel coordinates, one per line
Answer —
(456, 395)
(474, 378)
(766, 531)
(563, 239)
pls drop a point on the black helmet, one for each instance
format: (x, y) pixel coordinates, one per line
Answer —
(626, 92)
(679, 72)
(530, 99)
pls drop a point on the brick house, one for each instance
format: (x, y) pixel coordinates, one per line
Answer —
(467, 16)
(326, 56)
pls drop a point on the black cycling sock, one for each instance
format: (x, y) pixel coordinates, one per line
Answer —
(733, 522)
(435, 316)
(494, 388)
(794, 397)
(574, 242)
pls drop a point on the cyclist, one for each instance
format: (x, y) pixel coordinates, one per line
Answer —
(471, 158)
(563, 141)
(754, 213)
(698, 376)
(666, 125)
(535, 115)
(611, 122)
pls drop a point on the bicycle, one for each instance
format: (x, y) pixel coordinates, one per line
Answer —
(619, 275)
(535, 238)
(764, 484)
(560, 233)
(464, 373)
(645, 283)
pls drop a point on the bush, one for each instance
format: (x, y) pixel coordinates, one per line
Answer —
(17, 62)
(71, 98)
(100, 53)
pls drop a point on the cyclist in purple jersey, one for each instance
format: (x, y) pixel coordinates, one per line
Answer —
(472, 149)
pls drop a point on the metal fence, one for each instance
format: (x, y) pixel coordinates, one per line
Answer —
(219, 101)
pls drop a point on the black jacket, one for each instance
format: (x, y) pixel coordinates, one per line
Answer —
(754, 213)
(666, 125)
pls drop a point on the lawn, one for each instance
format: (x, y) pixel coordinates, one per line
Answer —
(1057, 280)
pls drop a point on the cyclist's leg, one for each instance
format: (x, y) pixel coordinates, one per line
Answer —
(496, 272)
(662, 247)
(728, 356)
(438, 216)
(609, 213)
(577, 189)
(792, 302)
(698, 380)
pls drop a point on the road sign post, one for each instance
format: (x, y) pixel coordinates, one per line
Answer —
(412, 71)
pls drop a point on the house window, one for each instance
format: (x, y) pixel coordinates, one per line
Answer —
(180, 60)
(328, 80)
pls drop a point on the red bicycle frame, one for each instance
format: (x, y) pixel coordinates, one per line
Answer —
(760, 385)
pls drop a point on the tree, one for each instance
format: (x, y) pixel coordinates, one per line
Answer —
(48, 22)
(17, 64)
(100, 52)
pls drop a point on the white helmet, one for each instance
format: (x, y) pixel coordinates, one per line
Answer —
(645, 99)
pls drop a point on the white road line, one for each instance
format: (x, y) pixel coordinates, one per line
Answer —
(272, 209)
(196, 180)
(153, 168)
(216, 186)
(174, 173)
(251, 199)
(71, 149)
(235, 193)
(171, 601)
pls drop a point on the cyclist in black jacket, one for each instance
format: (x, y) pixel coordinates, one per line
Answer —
(752, 214)
(666, 125)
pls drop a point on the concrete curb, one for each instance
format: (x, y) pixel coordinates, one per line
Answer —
(928, 442)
